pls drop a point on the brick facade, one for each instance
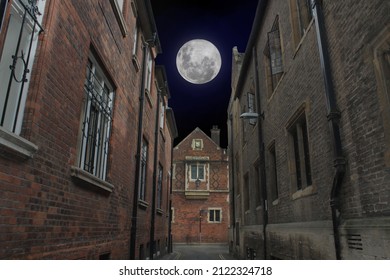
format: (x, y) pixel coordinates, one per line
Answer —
(194, 206)
(288, 155)
(50, 206)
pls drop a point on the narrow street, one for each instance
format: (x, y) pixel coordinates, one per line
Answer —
(199, 252)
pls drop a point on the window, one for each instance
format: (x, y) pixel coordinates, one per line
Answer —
(273, 175)
(159, 186)
(172, 215)
(135, 47)
(273, 53)
(197, 171)
(120, 4)
(97, 120)
(301, 14)
(17, 57)
(381, 60)
(3, 7)
(148, 79)
(300, 153)
(162, 115)
(215, 215)
(142, 179)
(251, 106)
(118, 7)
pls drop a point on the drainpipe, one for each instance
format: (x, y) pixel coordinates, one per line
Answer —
(333, 115)
(133, 231)
(263, 180)
(153, 216)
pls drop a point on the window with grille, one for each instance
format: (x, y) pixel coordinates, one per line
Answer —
(162, 115)
(215, 215)
(144, 161)
(97, 120)
(22, 29)
(273, 53)
(159, 186)
(197, 171)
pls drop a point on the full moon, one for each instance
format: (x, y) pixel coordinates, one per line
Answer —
(198, 61)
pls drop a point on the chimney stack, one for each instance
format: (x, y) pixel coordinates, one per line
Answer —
(215, 134)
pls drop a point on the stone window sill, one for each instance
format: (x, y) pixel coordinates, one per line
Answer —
(143, 204)
(86, 177)
(135, 63)
(310, 190)
(15, 145)
(159, 211)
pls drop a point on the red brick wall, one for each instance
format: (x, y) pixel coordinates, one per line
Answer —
(44, 213)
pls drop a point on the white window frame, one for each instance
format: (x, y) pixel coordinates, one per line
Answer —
(148, 80)
(98, 104)
(143, 169)
(198, 165)
(13, 116)
(159, 186)
(214, 210)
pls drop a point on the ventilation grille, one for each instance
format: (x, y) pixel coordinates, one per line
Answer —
(355, 241)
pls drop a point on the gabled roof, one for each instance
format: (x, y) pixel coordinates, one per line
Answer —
(202, 132)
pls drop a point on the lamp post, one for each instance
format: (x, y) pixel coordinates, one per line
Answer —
(201, 211)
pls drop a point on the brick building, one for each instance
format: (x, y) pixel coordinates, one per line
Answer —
(309, 132)
(85, 131)
(200, 190)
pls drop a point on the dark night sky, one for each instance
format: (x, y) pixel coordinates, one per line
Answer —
(226, 24)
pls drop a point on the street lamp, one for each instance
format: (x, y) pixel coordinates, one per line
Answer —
(249, 115)
(197, 183)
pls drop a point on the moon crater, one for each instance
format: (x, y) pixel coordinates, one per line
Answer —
(198, 61)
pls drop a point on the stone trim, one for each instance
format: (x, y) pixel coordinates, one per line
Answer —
(90, 179)
(16, 144)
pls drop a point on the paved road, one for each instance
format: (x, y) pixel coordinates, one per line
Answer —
(200, 252)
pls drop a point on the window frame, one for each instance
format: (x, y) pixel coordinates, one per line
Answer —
(299, 153)
(214, 211)
(273, 53)
(143, 170)
(90, 150)
(119, 15)
(16, 72)
(197, 166)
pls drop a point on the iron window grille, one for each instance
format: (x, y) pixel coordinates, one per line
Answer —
(97, 121)
(273, 51)
(17, 57)
(144, 161)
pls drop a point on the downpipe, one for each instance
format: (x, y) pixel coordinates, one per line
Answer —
(333, 120)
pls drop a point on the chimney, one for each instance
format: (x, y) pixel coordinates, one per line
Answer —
(215, 134)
